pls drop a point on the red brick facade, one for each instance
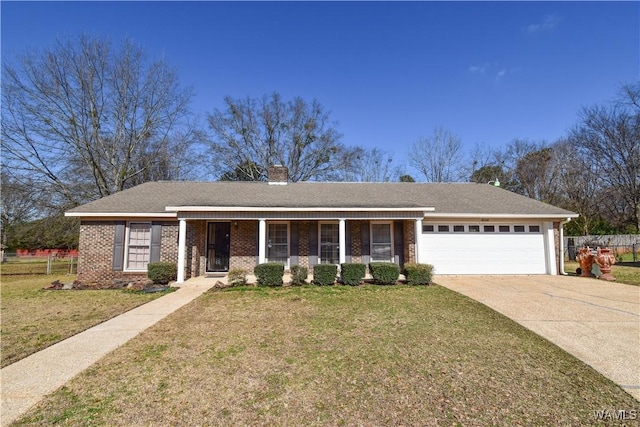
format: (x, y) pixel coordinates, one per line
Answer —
(96, 250)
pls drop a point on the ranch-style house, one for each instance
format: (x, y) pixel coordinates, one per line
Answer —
(211, 227)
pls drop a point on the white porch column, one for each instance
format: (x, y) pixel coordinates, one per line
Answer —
(418, 236)
(262, 241)
(182, 252)
(342, 240)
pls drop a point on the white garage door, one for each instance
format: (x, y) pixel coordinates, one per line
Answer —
(483, 248)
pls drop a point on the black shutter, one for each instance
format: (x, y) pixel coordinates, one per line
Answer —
(365, 242)
(398, 242)
(156, 242)
(117, 262)
(347, 240)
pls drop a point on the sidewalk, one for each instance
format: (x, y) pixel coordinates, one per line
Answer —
(26, 382)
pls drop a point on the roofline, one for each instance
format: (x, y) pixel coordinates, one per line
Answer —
(501, 216)
(291, 209)
(123, 214)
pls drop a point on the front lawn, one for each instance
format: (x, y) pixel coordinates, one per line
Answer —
(33, 319)
(336, 355)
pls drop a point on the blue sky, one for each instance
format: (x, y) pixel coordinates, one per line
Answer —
(389, 72)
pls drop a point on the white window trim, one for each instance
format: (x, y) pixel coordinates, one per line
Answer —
(125, 266)
(320, 223)
(266, 243)
(527, 227)
(391, 230)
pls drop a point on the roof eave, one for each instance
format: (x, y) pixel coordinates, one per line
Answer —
(121, 214)
(441, 215)
(293, 209)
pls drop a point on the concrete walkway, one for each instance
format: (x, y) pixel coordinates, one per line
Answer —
(596, 321)
(27, 381)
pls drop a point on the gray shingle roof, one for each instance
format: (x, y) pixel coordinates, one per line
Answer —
(446, 198)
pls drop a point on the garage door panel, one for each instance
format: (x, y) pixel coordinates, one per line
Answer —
(484, 253)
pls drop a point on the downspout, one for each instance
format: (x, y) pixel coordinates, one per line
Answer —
(562, 223)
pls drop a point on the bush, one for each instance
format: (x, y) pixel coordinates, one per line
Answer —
(269, 273)
(418, 274)
(384, 273)
(299, 275)
(162, 272)
(325, 274)
(237, 277)
(352, 273)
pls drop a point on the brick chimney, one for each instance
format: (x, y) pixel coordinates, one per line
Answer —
(278, 175)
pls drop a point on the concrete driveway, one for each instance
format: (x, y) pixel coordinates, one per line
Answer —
(596, 321)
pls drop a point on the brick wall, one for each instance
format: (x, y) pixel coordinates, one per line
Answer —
(356, 241)
(195, 250)
(95, 251)
(409, 235)
(244, 245)
(303, 244)
(169, 244)
(556, 241)
(97, 239)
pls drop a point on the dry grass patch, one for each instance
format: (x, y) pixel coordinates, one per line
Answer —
(366, 355)
(33, 319)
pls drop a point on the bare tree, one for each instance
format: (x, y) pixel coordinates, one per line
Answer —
(18, 204)
(579, 185)
(438, 157)
(85, 119)
(373, 165)
(536, 173)
(609, 136)
(262, 132)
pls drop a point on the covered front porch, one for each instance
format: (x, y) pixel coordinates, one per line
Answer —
(215, 241)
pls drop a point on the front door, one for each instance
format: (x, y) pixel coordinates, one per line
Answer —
(218, 245)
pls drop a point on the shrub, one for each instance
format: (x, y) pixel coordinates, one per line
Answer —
(324, 274)
(269, 273)
(384, 273)
(418, 274)
(162, 272)
(237, 277)
(299, 275)
(352, 273)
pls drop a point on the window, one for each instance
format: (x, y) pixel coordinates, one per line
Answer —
(329, 243)
(278, 243)
(534, 229)
(443, 228)
(381, 244)
(474, 229)
(518, 228)
(504, 228)
(489, 228)
(427, 229)
(138, 246)
(458, 228)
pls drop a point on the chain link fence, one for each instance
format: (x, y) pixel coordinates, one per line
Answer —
(12, 264)
(624, 253)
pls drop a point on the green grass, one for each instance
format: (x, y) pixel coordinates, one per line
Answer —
(339, 355)
(33, 319)
(628, 273)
